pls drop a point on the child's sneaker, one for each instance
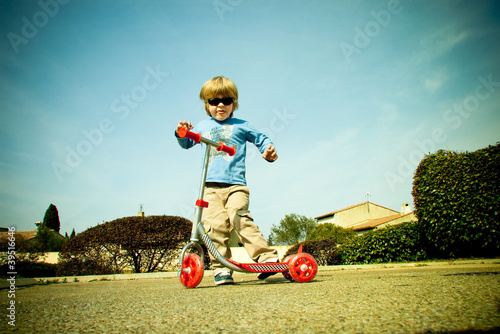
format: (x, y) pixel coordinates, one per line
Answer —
(223, 277)
(263, 276)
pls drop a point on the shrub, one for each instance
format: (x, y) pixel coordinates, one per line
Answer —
(145, 244)
(332, 231)
(83, 266)
(396, 243)
(32, 269)
(46, 240)
(324, 251)
(457, 200)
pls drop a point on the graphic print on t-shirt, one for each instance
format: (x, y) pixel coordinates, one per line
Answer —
(220, 134)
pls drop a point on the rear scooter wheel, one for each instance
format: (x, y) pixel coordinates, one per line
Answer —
(286, 273)
(303, 268)
(191, 271)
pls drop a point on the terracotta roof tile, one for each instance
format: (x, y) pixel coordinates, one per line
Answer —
(372, 223)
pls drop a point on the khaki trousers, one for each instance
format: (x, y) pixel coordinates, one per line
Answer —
(227, 210)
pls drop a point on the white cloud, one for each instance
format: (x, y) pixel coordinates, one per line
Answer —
(389, 113)
(434, 81)
(440, 42)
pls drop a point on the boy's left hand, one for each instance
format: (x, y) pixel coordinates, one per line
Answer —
(270, 154)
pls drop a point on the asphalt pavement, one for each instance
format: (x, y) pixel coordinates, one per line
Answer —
(446, 297)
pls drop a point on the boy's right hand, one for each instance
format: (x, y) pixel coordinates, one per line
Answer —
(183, 124)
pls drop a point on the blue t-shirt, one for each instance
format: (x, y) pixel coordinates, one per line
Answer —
(232, 132)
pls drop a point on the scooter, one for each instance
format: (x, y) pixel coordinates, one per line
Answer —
(300, 267)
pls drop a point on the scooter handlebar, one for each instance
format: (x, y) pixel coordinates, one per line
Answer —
(196, 137)
(229, 150)
(185, 133)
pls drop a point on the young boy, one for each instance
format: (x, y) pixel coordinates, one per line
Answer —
(226, 188)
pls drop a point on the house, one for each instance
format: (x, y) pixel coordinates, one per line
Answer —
(28, 238)
(367, 216)
(20, 236)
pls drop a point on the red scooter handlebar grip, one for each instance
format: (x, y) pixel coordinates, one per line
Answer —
(229, 150)
(185, 133)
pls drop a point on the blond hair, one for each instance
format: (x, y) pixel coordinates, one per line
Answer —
(219, 86)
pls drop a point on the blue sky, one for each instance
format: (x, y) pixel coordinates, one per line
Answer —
(353, 94)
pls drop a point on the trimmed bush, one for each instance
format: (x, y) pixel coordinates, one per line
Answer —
(457, 201)
(145, 244)
(396, 243)
(324, 251)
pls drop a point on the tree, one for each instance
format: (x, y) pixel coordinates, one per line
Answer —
(51, 218)
(45, 240)
(333, 232)
(145, 244)
(292, 230)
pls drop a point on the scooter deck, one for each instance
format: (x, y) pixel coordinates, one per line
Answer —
(262, 267)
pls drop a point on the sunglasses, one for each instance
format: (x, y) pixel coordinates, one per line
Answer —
(225, 101)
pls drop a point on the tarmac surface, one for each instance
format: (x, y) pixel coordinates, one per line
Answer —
(445, 297)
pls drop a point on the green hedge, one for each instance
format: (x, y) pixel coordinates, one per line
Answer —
(398, 243)
(77, 266)
(457, 201)
(31, 269)
(324, 251)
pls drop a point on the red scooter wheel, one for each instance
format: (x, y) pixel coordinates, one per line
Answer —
(191, 271)
(303, 267)
(286, 273)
